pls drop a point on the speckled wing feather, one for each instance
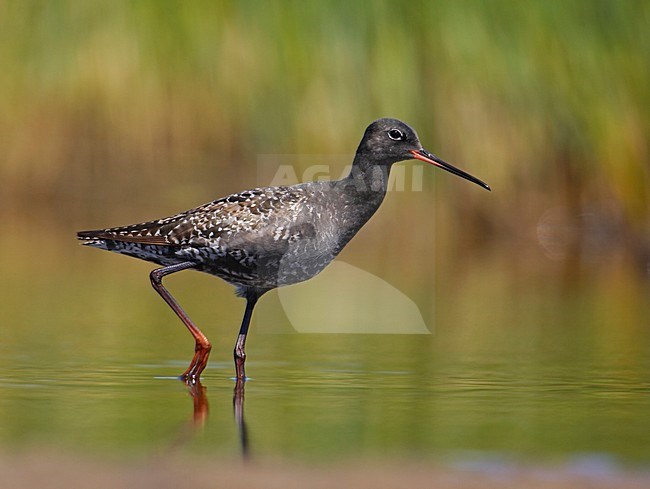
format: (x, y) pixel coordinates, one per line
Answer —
(245, 212)
(146, 233)
(242, 238)
(250, 215)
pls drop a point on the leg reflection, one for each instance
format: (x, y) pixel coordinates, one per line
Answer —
(201, 408)
(199, 415)
(238, 410)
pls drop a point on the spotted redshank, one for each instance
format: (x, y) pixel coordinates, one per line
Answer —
(268, 237)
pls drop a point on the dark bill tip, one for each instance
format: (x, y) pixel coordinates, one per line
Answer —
(432, 159)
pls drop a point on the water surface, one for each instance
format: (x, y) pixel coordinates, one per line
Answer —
(89, 355)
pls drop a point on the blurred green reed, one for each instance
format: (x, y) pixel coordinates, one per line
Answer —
(114, 111)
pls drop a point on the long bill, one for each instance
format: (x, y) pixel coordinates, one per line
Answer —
(424, 155)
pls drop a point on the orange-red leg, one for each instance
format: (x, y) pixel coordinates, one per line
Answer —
(202, 344)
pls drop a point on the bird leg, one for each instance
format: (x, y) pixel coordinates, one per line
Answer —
(239, 353)
(202, 344)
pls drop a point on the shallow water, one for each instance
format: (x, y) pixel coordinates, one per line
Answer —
(89, 354)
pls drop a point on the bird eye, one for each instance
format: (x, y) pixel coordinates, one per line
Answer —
(396, 135)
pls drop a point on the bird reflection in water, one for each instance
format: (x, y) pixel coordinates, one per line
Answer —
(238, 411)
(200, 405)
(200, 410)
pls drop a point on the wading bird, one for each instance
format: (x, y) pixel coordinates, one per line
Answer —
(269, 237)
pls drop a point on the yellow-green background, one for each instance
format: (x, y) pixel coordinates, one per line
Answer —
(114, 112)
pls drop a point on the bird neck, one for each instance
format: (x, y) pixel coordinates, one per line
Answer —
(366, 184)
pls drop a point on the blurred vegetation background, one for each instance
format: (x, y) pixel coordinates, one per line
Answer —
(114, 112)
(118, 111)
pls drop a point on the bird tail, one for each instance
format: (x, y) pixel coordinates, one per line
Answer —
(144, 233)
(91, 238)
